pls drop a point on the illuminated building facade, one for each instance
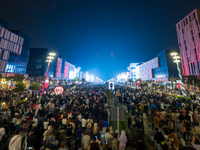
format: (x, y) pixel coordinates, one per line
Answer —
(133, 71)
(167, 70)
(82, 75)
(160, 68)
(188, 34)
(72, 71)
(145, 69)
(58, 67)
(123, 77)
(78, 72)
(18, 63)
(10, 43)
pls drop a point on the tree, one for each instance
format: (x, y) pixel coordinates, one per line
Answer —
(191, 79)
(18, 77)
(73, 84)
(34, 86)
(83, 80)
(143, 84)
(162, 87)
(20, 87)
(78, 79)
(130, 80)
(109, 94)
(154, 86)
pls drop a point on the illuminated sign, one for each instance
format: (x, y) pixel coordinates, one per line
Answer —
(58, 90)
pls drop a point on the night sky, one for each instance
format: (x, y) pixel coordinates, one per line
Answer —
(100, 36)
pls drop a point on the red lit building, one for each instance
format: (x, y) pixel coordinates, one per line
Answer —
(188, 34)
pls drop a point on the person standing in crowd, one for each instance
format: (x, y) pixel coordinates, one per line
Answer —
(86, 140)
(78, 137)
(32, 139)
(16, 141)
(158, 137)
(122, 140)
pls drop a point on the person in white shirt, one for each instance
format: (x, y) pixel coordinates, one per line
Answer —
(2, 132)
(79, 117)
(35, 121)
(45, 124)
(87, 101)
(16, 142)
(14, 120)
(86, 140)
(83, 123)
(108, 137)
(64, 121)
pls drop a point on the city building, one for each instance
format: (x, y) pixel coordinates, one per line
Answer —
(167, 70)
(18, 63)
(82, 75)
(123, 77)
(145, 69)
(3, 23)
(78, 72)
(10, 43)
(37, 65)
(188, 34)
(160, 68)
(133, 71)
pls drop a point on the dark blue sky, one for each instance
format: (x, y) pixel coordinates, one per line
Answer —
(100, 36)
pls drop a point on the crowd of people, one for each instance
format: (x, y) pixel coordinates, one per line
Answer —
(80, 118)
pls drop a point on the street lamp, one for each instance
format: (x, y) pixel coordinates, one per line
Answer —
(50, 57)
(177, 61)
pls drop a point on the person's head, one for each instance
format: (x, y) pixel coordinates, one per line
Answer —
(93, 138)
(107, 130)
(156, 129)
(169, 132)
(31, 131)
(115, 136)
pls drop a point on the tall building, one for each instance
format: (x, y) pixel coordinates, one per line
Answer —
(123, 77)
(18, 63)
(146, 69)
(37, 64)
(188, 34)
(3, 23)
(133, 71)
(160, 68)
(10, 43)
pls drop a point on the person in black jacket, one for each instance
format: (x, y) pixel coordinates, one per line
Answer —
(158, 137)
(32, 139)
(69, 134)
(78, 134)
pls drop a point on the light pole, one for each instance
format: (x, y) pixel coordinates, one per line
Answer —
(50, 57)
(177, 61)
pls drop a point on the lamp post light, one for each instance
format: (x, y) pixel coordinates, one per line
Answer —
(50, 57)
(177, 61)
